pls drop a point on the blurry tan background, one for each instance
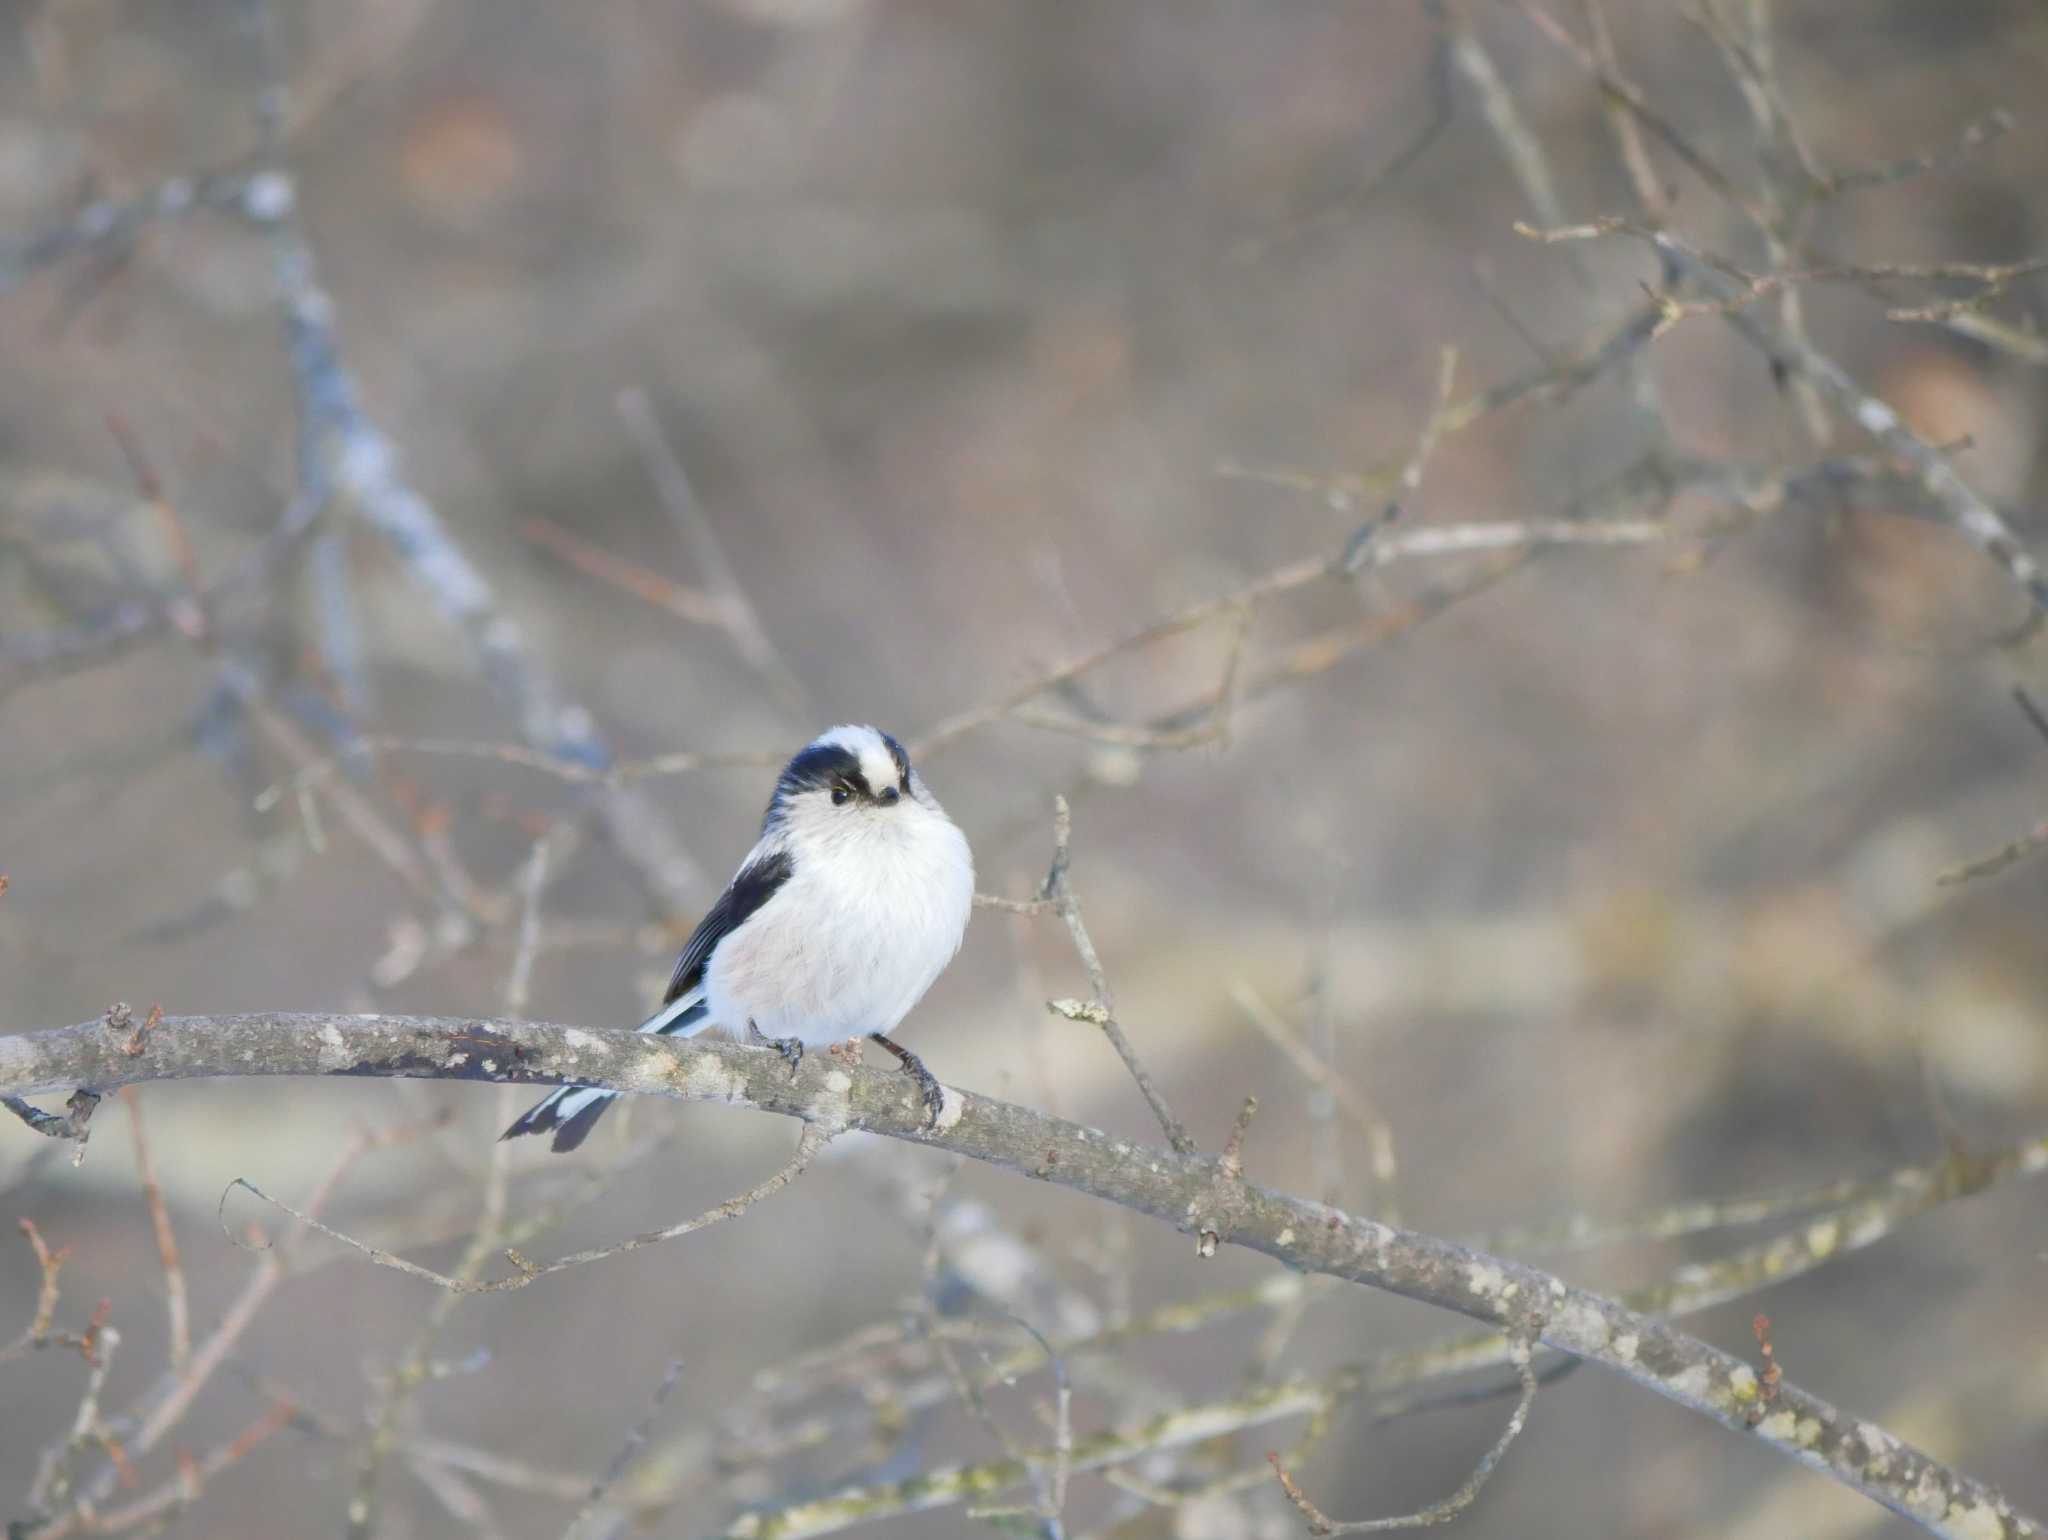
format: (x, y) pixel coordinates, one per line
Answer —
(1614, 883)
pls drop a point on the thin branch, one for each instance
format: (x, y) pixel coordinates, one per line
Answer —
(1519, 146)
(2036, 719)
(1628, 133)
(664, 593)
(133, 621)
(890, 1348)
(2011, 853)
(1988, 129)
(1058, 890)
(1049, 1480)
(53, 1484)
(948, 1485)
(1777, 137)
(532, 883)
(1319, 1523)
(1348, 205)
(593, 1516)
(2014, 851)
(1048, 1489)
(574, 772)
(1360, 550)
(50, 1262)
(395, 1390)
(814, 1137)
(1312, 1237)
(1932, 470)
(740, 619)
(182, 1490)
(1615, 88)
(1379, 1134)
(166, 1239)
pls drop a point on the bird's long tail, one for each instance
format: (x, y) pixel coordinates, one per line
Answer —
(569, 1112)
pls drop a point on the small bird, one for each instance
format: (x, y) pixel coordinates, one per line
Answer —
(850, 904)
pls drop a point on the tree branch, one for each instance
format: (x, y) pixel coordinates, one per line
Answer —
(1184, 1190)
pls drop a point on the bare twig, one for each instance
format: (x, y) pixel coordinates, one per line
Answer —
(813, 1139)
(1348, 205)
(1230, 1164)
(182, 1490)
(519, 977)
(322, 769)
(1320, 1523)
(592, 1518)
(1058, 890)
(1620, 90)
(948, 1485)
(1749, 60)
(1379, 1134)
(415, 1367)
(707, 552)
(38, 1329)
(1768, 1381)
(2014, 851)
(2036, 719)
(1523, 150)
(1359, 551)
(1049, 1490)
(166, 1239)
(2011, 853)
(1992, 126)
(666, 594)
(53, 1485)
(1628, 134)
(1049, 1479)
(134, 621)
(1932, 470)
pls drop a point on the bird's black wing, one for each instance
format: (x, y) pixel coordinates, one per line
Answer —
(756, 883)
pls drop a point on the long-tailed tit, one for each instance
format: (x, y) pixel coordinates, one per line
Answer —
(850, 904)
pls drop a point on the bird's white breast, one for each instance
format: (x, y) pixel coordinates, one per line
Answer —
(874, 910)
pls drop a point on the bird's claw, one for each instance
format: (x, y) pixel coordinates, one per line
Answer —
(928, 1086)
(791, 1048)
(934, 1096)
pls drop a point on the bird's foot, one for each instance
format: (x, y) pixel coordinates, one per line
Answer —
(927, 1083)
(791, 1048)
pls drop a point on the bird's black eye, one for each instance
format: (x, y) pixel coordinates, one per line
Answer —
(841, 796)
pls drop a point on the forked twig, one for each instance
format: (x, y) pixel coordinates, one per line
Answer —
(1320, 1523)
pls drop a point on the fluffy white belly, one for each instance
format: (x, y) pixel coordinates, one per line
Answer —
(822, 963)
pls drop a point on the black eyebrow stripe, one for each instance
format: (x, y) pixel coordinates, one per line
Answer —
(902, 759)
(819, 765)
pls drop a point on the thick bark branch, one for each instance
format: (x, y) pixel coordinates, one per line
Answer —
(1196, 1193)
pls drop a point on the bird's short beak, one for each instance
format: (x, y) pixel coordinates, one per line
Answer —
(888, 796)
